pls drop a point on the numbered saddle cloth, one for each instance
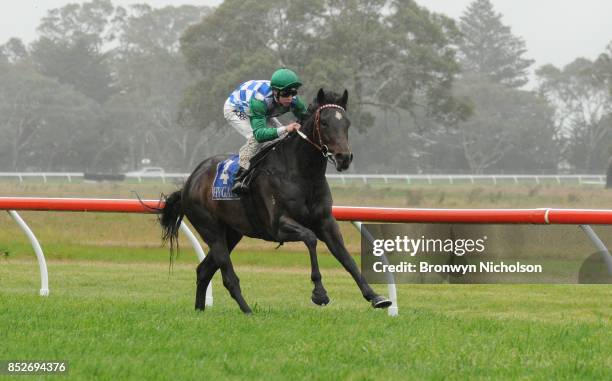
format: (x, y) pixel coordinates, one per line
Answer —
(224, 179)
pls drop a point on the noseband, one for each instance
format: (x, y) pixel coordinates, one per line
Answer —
(317, 131)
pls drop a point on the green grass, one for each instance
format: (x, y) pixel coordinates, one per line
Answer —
(133, 320)
(115, 311)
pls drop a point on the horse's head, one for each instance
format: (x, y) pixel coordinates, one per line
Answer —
(331, 125)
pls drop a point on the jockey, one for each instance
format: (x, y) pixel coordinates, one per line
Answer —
(253, 105)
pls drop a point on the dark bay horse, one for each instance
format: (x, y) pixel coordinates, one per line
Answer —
(291, 201)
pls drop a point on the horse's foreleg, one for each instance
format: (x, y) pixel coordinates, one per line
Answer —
(319, 294)
(329, 233)
(290, 230)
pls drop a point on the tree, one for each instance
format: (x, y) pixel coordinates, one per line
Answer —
(14, 51)
(70, 47)
(42, 122)
(603, 66)
(489, 48)
(425, 66)
(93, 19)
(152, 77)
(583, 106)
(243, 40)
(511, 130)
(77, 63)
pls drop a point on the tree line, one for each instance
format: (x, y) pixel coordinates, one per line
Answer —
(103, 87)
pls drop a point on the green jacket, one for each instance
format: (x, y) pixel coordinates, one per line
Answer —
(261, 111)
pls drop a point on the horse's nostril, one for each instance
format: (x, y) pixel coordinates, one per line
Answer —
(351, 158)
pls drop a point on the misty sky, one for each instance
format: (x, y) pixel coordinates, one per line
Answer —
(556, 31)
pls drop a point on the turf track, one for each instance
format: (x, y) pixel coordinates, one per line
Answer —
(116, 313)
(134, 320)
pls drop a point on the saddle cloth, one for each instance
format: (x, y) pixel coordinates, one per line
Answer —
(224, 179)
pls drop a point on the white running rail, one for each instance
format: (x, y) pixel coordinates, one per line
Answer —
(581, 179)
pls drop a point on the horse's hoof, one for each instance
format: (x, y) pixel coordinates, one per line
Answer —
(381, 302)
(320, 300)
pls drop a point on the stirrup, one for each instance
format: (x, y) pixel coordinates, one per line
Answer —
(240, 187)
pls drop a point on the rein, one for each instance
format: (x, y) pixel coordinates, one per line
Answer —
(317, 130)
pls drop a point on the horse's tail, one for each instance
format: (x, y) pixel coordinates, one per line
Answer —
(170, 218)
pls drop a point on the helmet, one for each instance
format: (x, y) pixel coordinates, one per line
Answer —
(285, 79)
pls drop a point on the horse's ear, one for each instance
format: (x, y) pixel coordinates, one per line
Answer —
(344, 99)
(321, 97)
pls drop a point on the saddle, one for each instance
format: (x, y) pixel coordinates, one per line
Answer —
(224, 180)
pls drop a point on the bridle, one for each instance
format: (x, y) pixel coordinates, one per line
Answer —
(317, 132)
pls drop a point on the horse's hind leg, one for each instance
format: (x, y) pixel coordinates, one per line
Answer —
(233, 237)
(204, 273)
(230, 279)
(207, 269)
(219, 259)
(210, 231)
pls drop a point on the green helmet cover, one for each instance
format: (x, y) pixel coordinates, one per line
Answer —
(285, 79)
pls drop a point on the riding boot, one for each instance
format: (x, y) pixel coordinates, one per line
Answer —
(240, 186)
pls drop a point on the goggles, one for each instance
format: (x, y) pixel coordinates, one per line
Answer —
(288, 93)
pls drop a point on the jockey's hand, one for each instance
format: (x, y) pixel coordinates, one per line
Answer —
(292, 127)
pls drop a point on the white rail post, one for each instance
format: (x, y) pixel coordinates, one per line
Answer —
(603, 250)
(200, 252)
(42, 264)
(393, 309)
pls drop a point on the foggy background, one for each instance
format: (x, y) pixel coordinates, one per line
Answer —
(435, 86)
